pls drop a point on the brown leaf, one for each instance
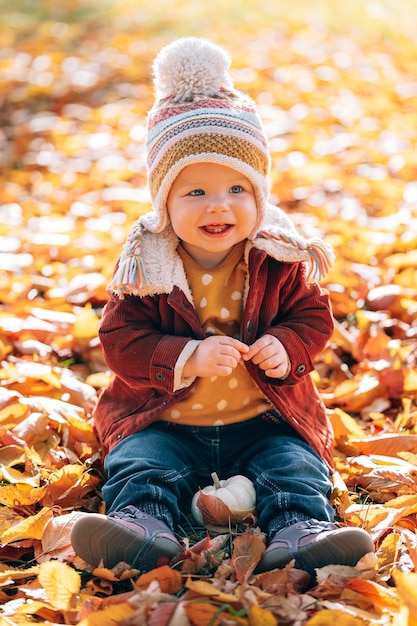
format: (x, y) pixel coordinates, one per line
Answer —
(247, 552)
(214, 510)
(162, 614)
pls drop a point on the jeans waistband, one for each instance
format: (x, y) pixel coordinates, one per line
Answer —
(268, 417)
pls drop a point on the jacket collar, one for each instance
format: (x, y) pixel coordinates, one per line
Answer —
(150, 265)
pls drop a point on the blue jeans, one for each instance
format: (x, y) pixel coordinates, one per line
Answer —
(165, 464)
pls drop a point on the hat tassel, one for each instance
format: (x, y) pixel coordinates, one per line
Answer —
(321, 255)
(321, 259)
(129, 277)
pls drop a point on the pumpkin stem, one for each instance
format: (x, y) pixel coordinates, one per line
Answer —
(215, 480)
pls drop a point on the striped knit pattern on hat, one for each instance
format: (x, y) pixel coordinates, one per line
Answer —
(199, 117)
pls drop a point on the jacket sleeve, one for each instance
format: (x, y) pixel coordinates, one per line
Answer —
(302, 319)
(136, 348)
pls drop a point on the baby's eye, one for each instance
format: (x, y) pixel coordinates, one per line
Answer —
(236, 189)
(197, 192)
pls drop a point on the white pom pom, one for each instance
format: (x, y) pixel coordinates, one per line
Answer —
(191, 67)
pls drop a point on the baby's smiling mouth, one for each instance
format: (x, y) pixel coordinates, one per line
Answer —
(216, 229)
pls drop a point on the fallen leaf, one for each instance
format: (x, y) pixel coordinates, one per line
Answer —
(169, 580)
(61, 583)
(331, 617)
(247, 552)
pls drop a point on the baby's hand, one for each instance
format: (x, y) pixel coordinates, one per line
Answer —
(215, 356)
(271, 356)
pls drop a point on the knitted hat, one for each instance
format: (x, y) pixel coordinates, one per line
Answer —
(199, 117)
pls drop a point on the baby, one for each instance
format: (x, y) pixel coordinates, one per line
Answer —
(212, 327)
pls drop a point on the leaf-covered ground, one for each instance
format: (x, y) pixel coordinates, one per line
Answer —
(336, 85)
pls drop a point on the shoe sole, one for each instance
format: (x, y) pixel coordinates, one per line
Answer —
(102, 541)
(343, 547)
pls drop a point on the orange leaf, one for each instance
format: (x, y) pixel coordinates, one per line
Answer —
(406, 584)
(122, 571)
(356, 393)
(344, 425)
(169, 580)
(247, 552)
(202, 613)
(67, 486)
(380, 596)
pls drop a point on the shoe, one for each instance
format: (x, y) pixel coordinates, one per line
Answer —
(314, 544)
(127, 535)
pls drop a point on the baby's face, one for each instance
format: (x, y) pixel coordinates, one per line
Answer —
(211, 207)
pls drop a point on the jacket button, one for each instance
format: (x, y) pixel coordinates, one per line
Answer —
(301, 369)
(249, 325)
(160, 376)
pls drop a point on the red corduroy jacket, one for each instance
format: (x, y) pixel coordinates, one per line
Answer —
(143, 336)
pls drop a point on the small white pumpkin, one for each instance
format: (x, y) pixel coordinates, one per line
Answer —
(237, 493)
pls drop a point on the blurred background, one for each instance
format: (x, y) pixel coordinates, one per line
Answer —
(336, 86)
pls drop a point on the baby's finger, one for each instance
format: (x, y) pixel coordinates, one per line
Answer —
(277, 372)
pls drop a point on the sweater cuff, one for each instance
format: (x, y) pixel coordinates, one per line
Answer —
(179, 381)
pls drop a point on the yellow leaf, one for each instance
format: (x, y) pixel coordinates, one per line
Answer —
(261, 617)
(23, 495)
(114, 614)
(41, 610)
(67, 485)
(86, 324)
(388, 552)
(406, 584)
(408, 503)
(205, 588)
(61, 583)
(8, 574)
(410, 380)
(8, 517)
(403, 618)
(12, 475)
(13, 413)
(344, 425)
(332, 617)
(30, 528)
